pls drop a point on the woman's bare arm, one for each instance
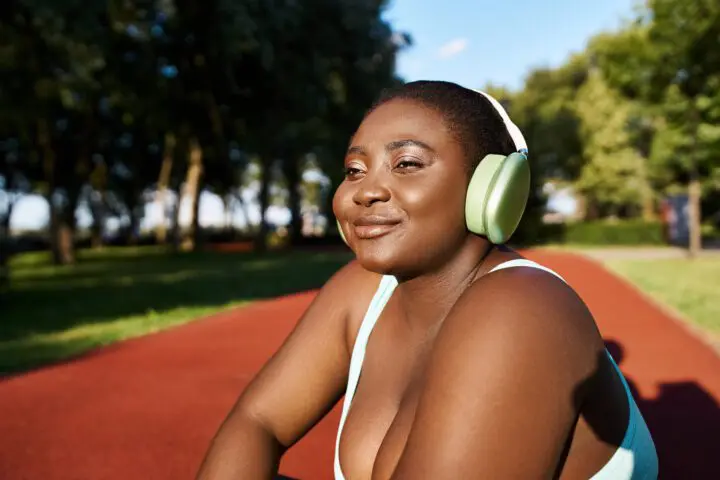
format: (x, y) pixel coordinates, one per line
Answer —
(296, 388)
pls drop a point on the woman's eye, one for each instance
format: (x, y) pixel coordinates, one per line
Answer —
(409, 165)
(352, 171)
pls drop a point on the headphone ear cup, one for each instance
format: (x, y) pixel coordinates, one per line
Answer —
(340, 231)
(497, 196)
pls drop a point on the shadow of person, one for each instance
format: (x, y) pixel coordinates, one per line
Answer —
(684, 420)
(617, 351)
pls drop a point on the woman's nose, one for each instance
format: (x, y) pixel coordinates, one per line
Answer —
(371, 191)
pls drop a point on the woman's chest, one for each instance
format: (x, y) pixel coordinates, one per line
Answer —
(383, 408)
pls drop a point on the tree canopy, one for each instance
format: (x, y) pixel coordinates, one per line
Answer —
(107, 102)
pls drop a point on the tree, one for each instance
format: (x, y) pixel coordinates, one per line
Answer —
(545, 112)
(112, 100)
(614, 178)
(54, 54)
(669, 59)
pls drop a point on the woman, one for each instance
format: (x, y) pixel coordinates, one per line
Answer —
(474, 369)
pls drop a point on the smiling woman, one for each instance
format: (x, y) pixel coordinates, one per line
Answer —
(457, 357)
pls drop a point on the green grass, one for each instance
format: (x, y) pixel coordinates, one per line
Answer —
(689, 286)
(53, 313)
(600, 246)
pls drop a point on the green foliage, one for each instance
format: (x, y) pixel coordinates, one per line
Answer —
(635, 114)
(683, 37)
(614, 177)
(97, 86)
(625, 59)
(544, 111)
(669, 61)
(625, 232)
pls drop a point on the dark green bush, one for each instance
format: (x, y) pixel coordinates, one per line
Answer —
(624, 232)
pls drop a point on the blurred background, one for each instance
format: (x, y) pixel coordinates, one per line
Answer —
(164, 159)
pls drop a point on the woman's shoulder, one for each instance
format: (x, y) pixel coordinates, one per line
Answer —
(519, 290)
(528, 315)
(513, 360)
(510, 277)
(351, 289)
(352, 283)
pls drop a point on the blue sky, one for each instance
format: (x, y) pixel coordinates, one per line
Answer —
(473, 42)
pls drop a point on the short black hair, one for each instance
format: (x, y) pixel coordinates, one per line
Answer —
(469, 115)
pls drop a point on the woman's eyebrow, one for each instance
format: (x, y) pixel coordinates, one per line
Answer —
(407, 143)
(360, 150)
(356, 150)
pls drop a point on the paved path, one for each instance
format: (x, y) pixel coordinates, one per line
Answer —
(146, 409)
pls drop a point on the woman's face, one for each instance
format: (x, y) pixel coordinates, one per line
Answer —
(401, 205)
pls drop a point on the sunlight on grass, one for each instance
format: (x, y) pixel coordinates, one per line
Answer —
(53, 313)
(583, 247)
(689, 286)
(36, 349)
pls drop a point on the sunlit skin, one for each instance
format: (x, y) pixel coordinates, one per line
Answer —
(467, 374)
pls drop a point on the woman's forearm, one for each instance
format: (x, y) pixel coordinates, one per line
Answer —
(243, 449)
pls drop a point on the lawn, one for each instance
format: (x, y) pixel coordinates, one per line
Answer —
(52, 313)
(689, 286)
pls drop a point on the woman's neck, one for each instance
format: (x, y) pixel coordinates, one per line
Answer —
(425, 300)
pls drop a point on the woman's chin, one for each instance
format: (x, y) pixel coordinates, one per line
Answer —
(375, 266)
(380, 262)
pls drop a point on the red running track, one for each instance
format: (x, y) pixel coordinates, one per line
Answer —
(147, 408)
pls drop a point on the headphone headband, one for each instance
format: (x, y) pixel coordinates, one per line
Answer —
(513, 130)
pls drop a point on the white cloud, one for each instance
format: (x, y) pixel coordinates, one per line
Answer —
(453, 47)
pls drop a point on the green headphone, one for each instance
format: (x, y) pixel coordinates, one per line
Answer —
(498, 191)
(497, 196)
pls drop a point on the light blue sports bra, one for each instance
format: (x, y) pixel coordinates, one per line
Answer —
(635, 458)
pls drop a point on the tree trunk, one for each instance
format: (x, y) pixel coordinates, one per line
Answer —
(97, 208)
(48, 167)
(240, 202)
(12, 198)
(135, 214)
(8, 214)
(176, 229)
(228, 217)
(694, 194)
(694, 191)
(196, 231)
(192, 188)
(292, 175)
(63, 231)
(263, 230)
(162, 186)
(98, 181)
(53, 226)
(65, 253)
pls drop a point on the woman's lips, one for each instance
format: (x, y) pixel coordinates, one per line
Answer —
(374, 226)
(367, 232)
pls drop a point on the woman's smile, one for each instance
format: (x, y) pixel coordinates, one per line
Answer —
(369, 227)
